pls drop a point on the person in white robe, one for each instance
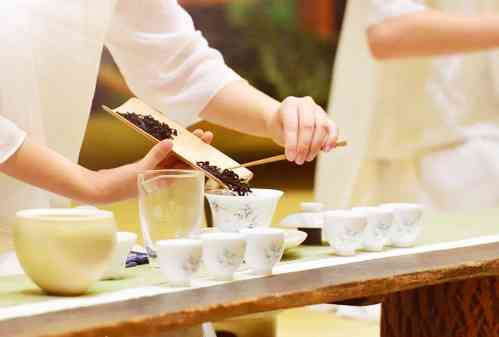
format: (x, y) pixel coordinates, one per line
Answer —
(420, 111)
(48, 70)
(420, 128)
(49, 63)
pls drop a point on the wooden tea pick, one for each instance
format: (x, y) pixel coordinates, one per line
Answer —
(274, 159)
(268, 160)
(186, 146)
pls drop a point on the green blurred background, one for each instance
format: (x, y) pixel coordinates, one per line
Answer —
(276, 45)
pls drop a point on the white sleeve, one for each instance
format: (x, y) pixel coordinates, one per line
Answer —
(11, 138)
(165, 61)
(383, 9)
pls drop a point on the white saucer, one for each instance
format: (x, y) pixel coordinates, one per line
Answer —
(293, 238)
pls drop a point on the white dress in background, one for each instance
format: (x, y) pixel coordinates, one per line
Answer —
(49, 64)
(419, 130)
(422, 130)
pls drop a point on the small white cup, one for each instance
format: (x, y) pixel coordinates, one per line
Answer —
(179, 259)
(379, 226)
(223, 254)
(345, 230)
(124, 244)
(264, 249)
(407, 224)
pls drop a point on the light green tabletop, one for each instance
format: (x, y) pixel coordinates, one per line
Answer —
(16, 290)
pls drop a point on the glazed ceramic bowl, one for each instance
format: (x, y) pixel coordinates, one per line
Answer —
(64, 251)
(232, 213)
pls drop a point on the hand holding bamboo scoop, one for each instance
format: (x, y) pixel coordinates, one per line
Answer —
(277, 158)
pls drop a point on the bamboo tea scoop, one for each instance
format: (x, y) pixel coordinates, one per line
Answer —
(274, 159)
(187, 147)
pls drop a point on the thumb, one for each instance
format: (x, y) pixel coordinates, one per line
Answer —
(157, 154)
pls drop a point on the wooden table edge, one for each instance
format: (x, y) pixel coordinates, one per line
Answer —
(451, 268)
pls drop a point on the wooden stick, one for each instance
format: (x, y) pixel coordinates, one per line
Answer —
(274, 159)
(262, 161)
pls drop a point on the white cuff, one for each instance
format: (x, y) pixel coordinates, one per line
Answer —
(11, 139)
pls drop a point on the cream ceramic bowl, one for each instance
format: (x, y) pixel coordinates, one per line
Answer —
(65, 251)
(232, 213)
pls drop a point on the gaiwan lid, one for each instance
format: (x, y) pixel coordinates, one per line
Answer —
(310, 216)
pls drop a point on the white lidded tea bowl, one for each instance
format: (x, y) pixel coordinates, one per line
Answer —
(232, 213)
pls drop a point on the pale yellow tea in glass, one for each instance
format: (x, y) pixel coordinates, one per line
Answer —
(170, 205)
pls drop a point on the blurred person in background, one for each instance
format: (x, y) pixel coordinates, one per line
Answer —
(422, 129)
(420, 112)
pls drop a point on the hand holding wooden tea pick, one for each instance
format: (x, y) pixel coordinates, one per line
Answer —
(277, 158)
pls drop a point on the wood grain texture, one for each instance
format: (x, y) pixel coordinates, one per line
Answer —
(186, 146)
(152, 315)
(467, 308)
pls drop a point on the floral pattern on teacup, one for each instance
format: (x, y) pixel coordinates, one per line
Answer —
(230, 258)
(352, 233)
(405, 230)
(246, 215)
(383, 228)
(191, 265)
(274, 251)
(349, 236)
(408, 224)
(409, 219)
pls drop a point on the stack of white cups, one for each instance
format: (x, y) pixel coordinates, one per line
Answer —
(373, 228)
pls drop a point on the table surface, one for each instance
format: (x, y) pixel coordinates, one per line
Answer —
(150, 315)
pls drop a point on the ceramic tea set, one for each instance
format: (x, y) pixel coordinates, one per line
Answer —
(361, 228)
(241, 233)
(221, 253)
(81, 245)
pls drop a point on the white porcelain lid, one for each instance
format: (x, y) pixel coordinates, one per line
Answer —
(312, 207)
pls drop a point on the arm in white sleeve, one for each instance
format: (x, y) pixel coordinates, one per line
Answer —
(164, 60)
(11, 138)
(408, 28)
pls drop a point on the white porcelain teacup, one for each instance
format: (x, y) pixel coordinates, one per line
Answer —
(124, 244)
(231, 213)
(223, 254)
(179, 260)
(379, 226)
(345, 230)
(407, 224)
(264, 249)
